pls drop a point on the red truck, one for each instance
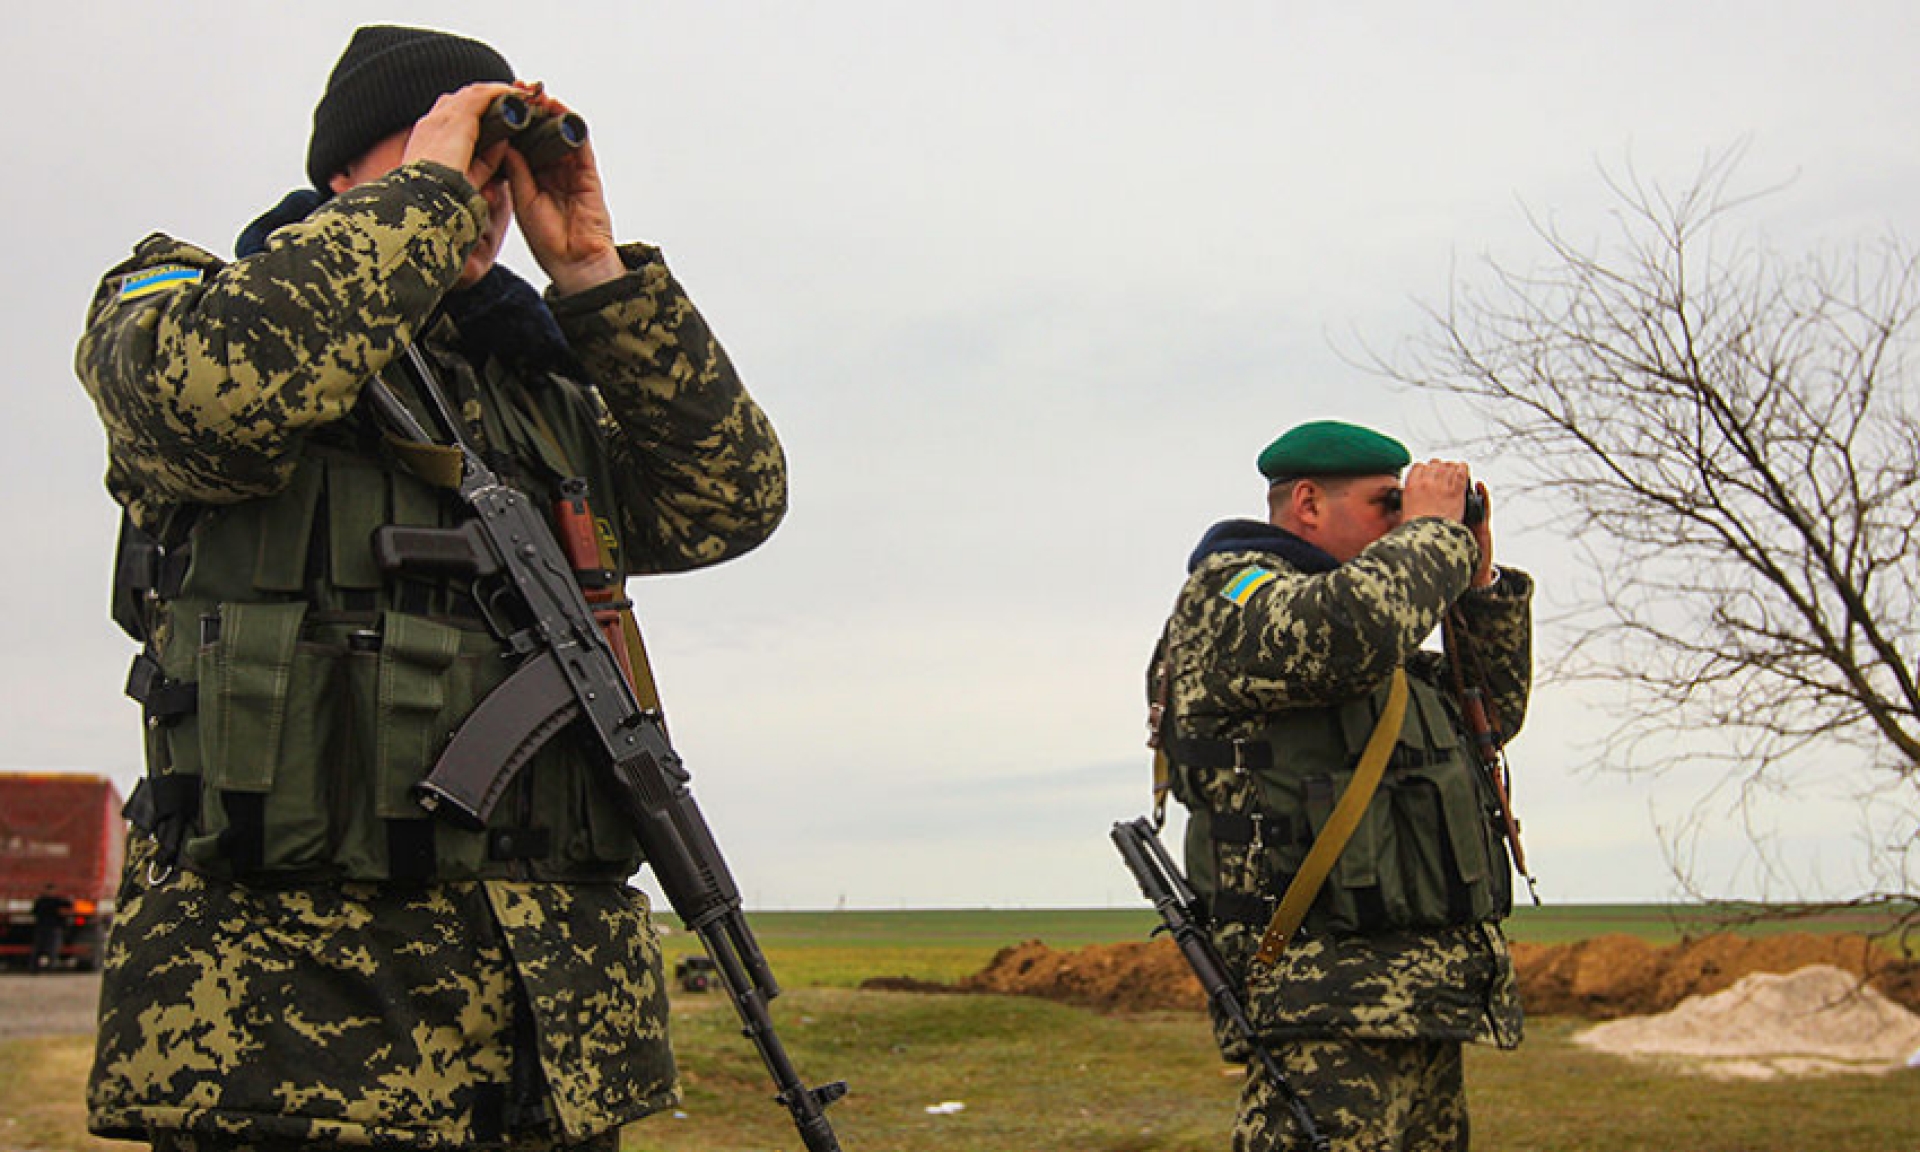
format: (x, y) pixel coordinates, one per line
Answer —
(62, 840)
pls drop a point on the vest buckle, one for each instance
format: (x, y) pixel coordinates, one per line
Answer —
(1252, 756)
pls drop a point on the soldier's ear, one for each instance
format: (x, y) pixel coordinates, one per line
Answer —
(1308, 503)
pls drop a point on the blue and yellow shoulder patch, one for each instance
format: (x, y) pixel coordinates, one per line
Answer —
(160, 279)
(1247, 583)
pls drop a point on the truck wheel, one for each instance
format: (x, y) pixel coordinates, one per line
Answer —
(88, 959)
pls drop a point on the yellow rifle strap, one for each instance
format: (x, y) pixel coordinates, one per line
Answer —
(645, 689)
(1162, 783)
(1340, 825)
(639, 669)
(440, 465)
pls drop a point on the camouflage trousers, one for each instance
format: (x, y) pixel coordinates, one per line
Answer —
(1365, 1096)
(526, 1142)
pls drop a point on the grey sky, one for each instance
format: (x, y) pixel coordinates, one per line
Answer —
(1025, 288)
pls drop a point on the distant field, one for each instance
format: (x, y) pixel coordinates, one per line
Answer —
(840, 949)
(1666, 923)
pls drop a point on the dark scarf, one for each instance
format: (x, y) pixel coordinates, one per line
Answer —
(1258, 536)
(501, 317)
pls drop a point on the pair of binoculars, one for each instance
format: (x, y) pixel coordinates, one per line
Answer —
(1476, 509)
(538, 135)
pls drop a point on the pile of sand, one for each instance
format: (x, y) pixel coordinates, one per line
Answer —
(1817, 1020)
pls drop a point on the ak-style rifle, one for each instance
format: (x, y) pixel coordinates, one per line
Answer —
(567, 672)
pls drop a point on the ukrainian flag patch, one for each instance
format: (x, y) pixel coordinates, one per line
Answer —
(1247, 583)
(161, 279)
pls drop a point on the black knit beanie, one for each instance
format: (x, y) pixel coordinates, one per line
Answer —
(386, 79)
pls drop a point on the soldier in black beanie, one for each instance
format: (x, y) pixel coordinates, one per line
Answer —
(304, 956)
(386, 79)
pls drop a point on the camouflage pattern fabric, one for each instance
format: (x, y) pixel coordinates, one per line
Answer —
(208, 381)
(691, 446)
(1446, 984)
(423, 1015)
(207, 387)
(1365, 1096)
(1304, 641)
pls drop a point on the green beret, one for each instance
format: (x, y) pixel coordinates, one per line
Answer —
(1330, 448)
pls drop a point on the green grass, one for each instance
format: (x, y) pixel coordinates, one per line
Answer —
(41, 1085)
(840, 949)
(1035, 1075)
(1031, 1075)
(1669, 923)
(1552, 1095)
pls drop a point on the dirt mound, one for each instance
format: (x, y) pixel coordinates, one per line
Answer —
(1610, 976)
(1136, 976)
(1600, 979)
(1818, 1019)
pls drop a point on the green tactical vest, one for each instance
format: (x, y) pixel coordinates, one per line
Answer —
(325, 688)
(1427, 853)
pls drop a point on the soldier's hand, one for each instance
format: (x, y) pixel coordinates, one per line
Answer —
(1434, 488)
(1483, 535)
(563, 214)
(449, 131)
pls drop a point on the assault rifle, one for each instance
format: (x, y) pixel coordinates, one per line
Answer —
(529, 594)
(1165, 887)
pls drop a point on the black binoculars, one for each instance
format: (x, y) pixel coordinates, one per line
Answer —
(1476, 510)
(540, 136)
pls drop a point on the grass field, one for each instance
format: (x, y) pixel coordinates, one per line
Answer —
(1033, 1075)
(841, 949)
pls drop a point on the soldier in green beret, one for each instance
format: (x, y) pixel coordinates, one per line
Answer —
(1286, 651)
(303, 956)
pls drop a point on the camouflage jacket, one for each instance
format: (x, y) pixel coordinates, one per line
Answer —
(425, 1014)
(209, 376)
(1306, 634)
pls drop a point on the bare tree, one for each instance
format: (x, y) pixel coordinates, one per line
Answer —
(1730, 437)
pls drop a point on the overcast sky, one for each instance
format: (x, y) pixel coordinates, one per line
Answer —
(1025, 288)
